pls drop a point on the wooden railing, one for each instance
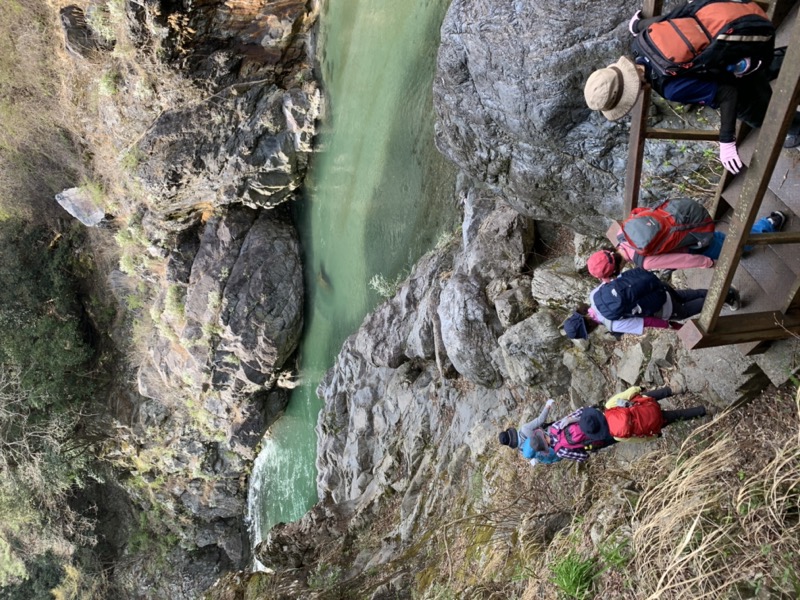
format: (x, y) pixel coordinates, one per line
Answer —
(711, 329)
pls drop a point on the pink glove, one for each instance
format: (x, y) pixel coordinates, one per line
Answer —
(729, 157)
(632, 23)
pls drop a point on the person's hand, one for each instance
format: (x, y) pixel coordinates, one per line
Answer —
(729, 157)
(675, 325)
(632, 23)
(549, 402)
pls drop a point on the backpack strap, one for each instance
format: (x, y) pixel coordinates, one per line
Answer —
(638, 260)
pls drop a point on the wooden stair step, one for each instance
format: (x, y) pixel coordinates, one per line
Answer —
(783, 35)
(754, 297)
(785, 180)
(789, 254)
(771, 274)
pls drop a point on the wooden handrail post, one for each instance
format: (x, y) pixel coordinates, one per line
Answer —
(779, 115)
(633, 174)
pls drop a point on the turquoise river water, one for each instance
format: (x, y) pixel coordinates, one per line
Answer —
(378, 196)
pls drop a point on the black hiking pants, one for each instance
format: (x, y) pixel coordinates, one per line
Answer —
(682, 414)
(686, 303)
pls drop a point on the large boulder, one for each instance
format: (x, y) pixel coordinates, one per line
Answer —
(470, 328)
(509, 99)
(529, 353)
(256, 153)
(230, 320)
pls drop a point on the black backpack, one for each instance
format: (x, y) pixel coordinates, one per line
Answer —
(705, 37)
(635, 293)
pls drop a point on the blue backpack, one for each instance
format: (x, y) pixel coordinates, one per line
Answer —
(635, 293)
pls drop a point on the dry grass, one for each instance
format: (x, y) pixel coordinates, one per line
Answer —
(68, 121)
(706, 530)
(715, 515)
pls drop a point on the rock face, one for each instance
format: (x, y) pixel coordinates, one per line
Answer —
(416, 394)
(256, 153)
(509, 99)
(238, 312)
(215, 151)
(79, 37)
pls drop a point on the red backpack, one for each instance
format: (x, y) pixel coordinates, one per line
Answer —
(673, 224)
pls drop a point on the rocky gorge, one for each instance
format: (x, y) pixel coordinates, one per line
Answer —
(470, 343)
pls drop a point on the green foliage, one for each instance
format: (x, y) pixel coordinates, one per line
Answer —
(42, 326)
(45, 382)
(616, 553)
(44, 572)
(324, 577)
(109, 83)
(574, 575)
(386, 288)
(11, 566)
(438, 591)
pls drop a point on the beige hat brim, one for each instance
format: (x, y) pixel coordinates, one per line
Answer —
(631, 86)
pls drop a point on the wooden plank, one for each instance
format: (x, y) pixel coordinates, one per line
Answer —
(768, 148)
(613, 232)
(779, 237)
(692, 135)
(633, 174)
(793, 298)
(740, 329)
(651, 8)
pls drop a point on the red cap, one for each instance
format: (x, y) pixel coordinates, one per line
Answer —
(602, 264)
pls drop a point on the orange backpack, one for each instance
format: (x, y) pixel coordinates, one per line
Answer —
(705, 36)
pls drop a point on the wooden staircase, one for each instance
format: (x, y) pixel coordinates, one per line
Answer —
(768, 276)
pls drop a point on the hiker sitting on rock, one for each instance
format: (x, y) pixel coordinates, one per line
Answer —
(520, 439)
(635, 414)
(606, 264)
(637, 299)
(727, 74)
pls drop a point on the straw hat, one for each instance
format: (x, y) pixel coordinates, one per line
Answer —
(613, 90)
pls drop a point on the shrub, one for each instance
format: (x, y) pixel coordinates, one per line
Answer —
(42, 326)
(574, 575)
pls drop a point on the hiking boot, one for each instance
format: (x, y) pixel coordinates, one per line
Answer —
(793, 135)
(792, 140)
(732, 300)
(777, 219)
